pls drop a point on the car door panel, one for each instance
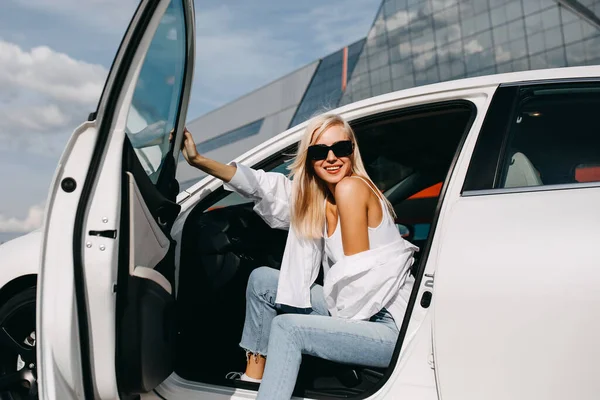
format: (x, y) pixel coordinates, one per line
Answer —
(145, 298)
(56, 358)
(145, 234)
(515, 284)
(108, 261)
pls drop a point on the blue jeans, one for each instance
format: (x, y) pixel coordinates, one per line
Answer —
(283, 334)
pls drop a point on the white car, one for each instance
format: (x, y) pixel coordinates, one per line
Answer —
(140, 291)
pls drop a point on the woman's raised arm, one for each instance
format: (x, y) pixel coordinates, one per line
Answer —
(219, 170)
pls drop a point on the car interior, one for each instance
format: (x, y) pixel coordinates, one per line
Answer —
(407, 153)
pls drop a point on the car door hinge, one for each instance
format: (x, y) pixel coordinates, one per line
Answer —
(111, 234)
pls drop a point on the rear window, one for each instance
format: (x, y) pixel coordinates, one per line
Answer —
(554, 138)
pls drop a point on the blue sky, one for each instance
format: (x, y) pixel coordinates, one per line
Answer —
(55, 54)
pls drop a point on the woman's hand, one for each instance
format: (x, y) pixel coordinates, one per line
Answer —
(190, 153)
(188, 148)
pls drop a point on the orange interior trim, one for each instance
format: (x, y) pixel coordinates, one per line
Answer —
(587, 174)
(431, 191)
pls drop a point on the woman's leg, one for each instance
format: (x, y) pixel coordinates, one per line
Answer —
(369, 343)
(260, 312)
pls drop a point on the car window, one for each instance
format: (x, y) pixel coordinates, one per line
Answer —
(413, 146)
(420, 142)
(157, 96)
(553, 138)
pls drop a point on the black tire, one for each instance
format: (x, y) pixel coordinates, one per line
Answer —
(17, 316)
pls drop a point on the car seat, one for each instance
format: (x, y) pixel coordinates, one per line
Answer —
(521, 172)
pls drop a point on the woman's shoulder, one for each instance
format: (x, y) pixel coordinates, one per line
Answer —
(351, 189)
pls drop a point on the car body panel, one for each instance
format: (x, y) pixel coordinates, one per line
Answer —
(58, 342)
(510, 314)
(20, 257)
(514, 290)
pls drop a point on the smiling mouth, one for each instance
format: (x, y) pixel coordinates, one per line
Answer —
(333, 170)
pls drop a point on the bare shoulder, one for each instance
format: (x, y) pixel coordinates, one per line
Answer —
(351, 190)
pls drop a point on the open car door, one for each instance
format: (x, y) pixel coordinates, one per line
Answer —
(106, 289)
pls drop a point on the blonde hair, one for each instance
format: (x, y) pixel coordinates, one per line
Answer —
(308, 190)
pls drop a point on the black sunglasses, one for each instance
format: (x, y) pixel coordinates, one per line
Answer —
(342, 148)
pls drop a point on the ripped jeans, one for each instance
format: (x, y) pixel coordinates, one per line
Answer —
(283, 334)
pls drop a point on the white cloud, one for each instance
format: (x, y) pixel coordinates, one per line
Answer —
(399, 19)
(47, 117)
(33, 220)
(424, 60)
(437, 5)
(502, 55)
(50, 73)
(45, 93)
(473, 46)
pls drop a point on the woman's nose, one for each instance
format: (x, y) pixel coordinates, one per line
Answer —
(331, 156)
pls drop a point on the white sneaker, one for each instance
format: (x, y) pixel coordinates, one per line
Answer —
(242, 377)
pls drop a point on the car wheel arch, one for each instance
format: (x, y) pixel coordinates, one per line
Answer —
(17, 285)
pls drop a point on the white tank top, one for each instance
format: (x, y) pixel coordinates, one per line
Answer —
(386, 232)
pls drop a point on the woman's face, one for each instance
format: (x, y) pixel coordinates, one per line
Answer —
(332, 169)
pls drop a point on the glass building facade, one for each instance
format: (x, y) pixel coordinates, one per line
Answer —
(418, 42)
(329, 81)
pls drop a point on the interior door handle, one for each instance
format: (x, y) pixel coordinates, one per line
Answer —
(166, 215)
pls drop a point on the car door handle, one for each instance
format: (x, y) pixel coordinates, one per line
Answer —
(166, 215)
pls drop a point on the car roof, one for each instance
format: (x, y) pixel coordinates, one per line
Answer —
(529, 76)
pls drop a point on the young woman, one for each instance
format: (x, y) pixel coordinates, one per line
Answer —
(336, 219)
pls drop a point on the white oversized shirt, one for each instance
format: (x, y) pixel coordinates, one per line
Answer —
(357, 286)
